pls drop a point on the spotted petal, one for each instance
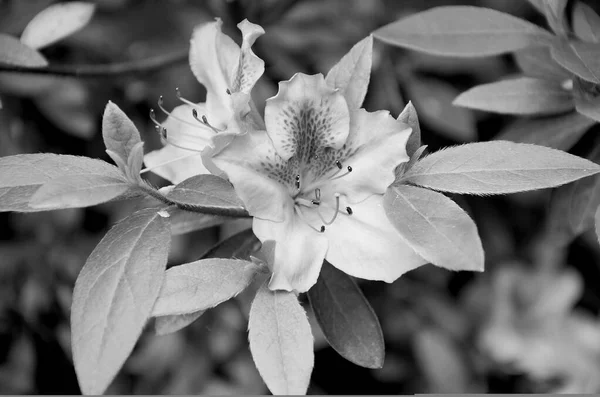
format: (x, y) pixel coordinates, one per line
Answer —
(375, 146)
(298, 253)
(306, 116)
(250, 67)
(366, 245)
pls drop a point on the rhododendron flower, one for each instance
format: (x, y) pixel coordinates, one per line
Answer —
(314, 181)
(229, 73)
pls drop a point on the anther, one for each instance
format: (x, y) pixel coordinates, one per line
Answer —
(339, 164)
(228, 92)
(297, 181)
(318, 194)
(315, 202)
(349, 169)
(322, 228)
(349, 210)
(204, 119)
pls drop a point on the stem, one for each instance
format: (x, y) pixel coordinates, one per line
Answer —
(107, 70)
(228, 212)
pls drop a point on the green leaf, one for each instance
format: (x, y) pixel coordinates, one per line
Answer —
(164, 325)
(13, 52)
(207, 192)
(434, 99)
(498, 167)
(583, 59)
(22, 175)
(558, 132)
(281, 341)
(538, 62)
(76, 191)
(183, 221)
(586, 23)
(554, 10)
(57, 22)
(201, 285)
(346, 318)
(352, 73)
(597, 223)
(410, 117)
(524, 95)
(240, 246)
(119, 133)
(114, 295)
(463, 31)
(435, 227)
(587, 101)
(573, 206)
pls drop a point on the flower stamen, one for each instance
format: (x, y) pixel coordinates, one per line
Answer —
(165, 111)
(349, 210)
(301, 216)
(298, 181)
(204, 121)
(337, 209)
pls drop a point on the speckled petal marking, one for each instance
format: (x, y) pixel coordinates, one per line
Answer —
(250, 67)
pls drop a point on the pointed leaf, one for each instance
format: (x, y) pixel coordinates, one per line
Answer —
(164, 325)
(410, 117)
(587, 101)
(583, 59)
(524, 95)
(464, 31)
(183, 221)
(435, 227)
(538, 62)
(434, 99)
(558, 132)
(351, 74)
(555, 15)
(597, 223)
(207, 192)
(114, 295)
(281, 341)
(201, 285)
(498, 167)
(76, 191)
(118, 132)
(586, 23)
(240, 246)
(13, 52)
(22, 175)
(346, 318)
(57, 22)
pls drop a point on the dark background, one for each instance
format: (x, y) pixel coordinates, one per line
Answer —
(444, 331)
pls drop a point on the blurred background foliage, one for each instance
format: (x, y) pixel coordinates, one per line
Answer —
(528, 324)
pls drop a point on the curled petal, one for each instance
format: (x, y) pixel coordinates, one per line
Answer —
(375, 146)
(366, 245)
(298, 253)
(250, 67)
(305, 116)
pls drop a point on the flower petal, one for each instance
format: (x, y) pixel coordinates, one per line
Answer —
(257, 174)
(175, 164)
(298, 254)
(375, 146)
(214, 57)
(184, 131)
(305, 116)
(250, 67)
(366, 245)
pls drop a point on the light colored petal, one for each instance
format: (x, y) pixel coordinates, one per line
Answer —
(214, 57)
(366, 245)
(185, 131)
(257, 174)
(179, 164)
(376, 145)
(250, 67)
(306, 116)
(298, 254)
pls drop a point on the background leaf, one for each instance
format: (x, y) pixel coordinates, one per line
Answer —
(498, 167)
(525, 95)
(185, 222)
(206, 191)
(558, 132)
(165, 325)
(201, 285)
(240, 246)
(118, 132)
(114, 295)
(22, 175)
(586, 23)
(76, 191)
(463, 31)
(597, 223)
(410, 117)
(57, 22)
(538, 62)
(435, 227)
(13, 52)
(281, 341)
(352, 73)
(583, 59)
(346, 318)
